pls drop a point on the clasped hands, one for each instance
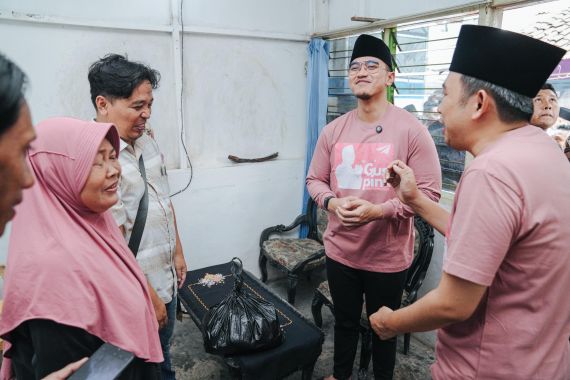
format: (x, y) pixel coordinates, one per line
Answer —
(353, 211)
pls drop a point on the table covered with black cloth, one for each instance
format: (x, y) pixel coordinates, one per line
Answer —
(303, 340)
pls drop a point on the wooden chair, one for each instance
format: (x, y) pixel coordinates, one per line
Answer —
(294, 256)
(423, 250)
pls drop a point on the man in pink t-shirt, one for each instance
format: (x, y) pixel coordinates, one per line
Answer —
(501, 305)
(369, 238)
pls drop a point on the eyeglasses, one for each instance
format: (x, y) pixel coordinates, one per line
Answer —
(371, 66)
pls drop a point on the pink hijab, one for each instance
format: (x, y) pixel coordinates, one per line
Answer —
(67, 263)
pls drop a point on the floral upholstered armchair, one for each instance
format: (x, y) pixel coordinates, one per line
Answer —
(292, 255)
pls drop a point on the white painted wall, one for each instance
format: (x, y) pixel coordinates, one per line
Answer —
(248, 99)
(287, 17)
(56, 59)
(245, 94)
(145, 12)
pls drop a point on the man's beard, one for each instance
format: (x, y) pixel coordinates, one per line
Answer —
(363, 96)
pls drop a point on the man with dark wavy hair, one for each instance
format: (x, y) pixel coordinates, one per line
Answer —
(122, 94)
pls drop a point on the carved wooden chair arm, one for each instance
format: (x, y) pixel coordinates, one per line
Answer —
(421, 262)
(280, 228)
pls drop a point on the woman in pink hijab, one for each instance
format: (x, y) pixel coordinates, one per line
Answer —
(71, 281)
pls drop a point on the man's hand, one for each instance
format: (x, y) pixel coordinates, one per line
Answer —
(180, 266)
(401, 177)
(179, 261)
(354, 212)
(159, 307)
(66, 371)
(335, 203)
(560, 138)
(378, 323)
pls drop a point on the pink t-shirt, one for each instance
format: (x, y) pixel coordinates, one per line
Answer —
(350, 159)
(510, 231)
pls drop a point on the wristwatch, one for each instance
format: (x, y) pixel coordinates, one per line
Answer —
(326, 203)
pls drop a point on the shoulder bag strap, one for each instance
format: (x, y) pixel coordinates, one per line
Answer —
(140, 220)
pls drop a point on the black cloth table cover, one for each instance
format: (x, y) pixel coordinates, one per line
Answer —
(303, 340)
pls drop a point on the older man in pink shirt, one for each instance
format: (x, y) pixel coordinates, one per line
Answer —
(502, 305)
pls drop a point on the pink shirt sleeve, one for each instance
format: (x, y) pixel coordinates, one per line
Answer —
(318, 176)
(484, 224)
(424, 161)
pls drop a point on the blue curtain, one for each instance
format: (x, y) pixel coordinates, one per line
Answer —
(317, 96)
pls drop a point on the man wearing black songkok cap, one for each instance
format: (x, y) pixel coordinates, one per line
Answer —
(502, 305)
(369, 240)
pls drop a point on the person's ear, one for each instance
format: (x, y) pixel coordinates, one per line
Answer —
(391, 77)
(481, 104)
(101, 103)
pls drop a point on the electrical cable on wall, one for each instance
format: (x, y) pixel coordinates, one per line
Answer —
(182, 140)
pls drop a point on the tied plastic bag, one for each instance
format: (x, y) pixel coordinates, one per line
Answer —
(241, 322)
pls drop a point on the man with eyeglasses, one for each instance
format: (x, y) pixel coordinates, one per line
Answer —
(369, 240)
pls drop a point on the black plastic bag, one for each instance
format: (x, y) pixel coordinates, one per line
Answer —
(241, 322)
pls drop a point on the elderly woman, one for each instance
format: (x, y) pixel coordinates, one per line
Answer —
(71, 282)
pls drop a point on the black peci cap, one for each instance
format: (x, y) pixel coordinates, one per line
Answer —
(370, 46)
(514, 61)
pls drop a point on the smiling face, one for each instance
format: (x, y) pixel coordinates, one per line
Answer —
(545, 109)
(369, 77)
(129, 114)
(100, 190)
(452, 110)
(15, 173)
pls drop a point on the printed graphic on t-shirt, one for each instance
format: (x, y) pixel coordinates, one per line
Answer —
(362, 166)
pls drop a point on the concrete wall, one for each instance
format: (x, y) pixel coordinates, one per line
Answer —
(244, 94)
